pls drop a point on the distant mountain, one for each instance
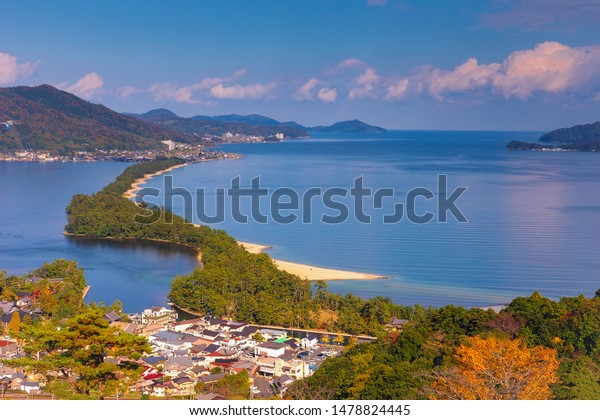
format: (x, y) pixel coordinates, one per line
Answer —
(47, 118)
(353, 126)
(585, 138)
(204, 126)
(586, 133)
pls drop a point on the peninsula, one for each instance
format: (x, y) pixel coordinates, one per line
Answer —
(582, 138)
(304, 271)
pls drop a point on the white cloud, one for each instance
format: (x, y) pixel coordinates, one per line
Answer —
(11, 70)
(86, 87)
(549, 67)
(364, 85)
(467, 76)
(397, 90)
(239, 92)
(327, 94)
(236, 75)
(185, 94)
(345, 65)
(125, 92)
(306, 91)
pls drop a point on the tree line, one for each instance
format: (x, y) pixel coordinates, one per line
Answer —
(535, 348)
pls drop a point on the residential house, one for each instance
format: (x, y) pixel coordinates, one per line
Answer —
(112, 316)
(183, 386)
(8, 349)
(158, 315)
(24, 301)
(270, 349)
(282, 383)
(266, 366)
(154, 361)
(310, 341)
(176, 365)
(6, 307)
(270, 333)
(233, 326)
(183, 326)
(396, 324)
(211, 396)
(169, 341)
(30, 387)
(209, 335)
(247, 365)
(210, 379)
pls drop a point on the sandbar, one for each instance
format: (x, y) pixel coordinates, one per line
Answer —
(311, 272)
(305, 271)
(137, 184)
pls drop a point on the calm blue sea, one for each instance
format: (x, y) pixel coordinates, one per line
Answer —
(532, 218)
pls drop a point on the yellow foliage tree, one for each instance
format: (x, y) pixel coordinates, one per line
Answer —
(498, 369)
(15, 323)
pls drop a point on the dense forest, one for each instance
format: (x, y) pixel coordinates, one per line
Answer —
(536, 348)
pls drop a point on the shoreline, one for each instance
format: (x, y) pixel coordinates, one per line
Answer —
(113, 238)
(311, 272)
(131, 193)
(304, 271)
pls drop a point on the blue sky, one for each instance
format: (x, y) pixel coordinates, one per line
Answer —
(470, 64)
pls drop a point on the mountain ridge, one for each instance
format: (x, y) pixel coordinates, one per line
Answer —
(46, 118)
(582, 137)
(250, 124)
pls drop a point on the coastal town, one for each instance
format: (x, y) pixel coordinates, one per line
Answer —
(188, 357)
(187, 152)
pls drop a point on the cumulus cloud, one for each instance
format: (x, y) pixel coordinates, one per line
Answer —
(11, 70)
(185, 94)
(345, 65)
(239, 92)
(467, 76)
(310, 91)
(306, 91)
(86, 87)
(397, 90)
(364, 85)
(549, 67)
(125, 92)
(327, 94)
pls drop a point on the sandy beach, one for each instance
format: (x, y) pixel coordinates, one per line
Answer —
(311, 272)
(137, 184)
(308, 272)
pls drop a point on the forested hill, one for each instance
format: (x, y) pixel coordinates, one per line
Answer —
(585, 133)
(584, 138)
(253, 125)
(46, 118)
(203, 126)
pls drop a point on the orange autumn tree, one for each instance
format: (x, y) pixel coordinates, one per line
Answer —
(497, 369)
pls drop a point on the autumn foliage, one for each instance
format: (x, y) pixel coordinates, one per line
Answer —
(498, 369)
